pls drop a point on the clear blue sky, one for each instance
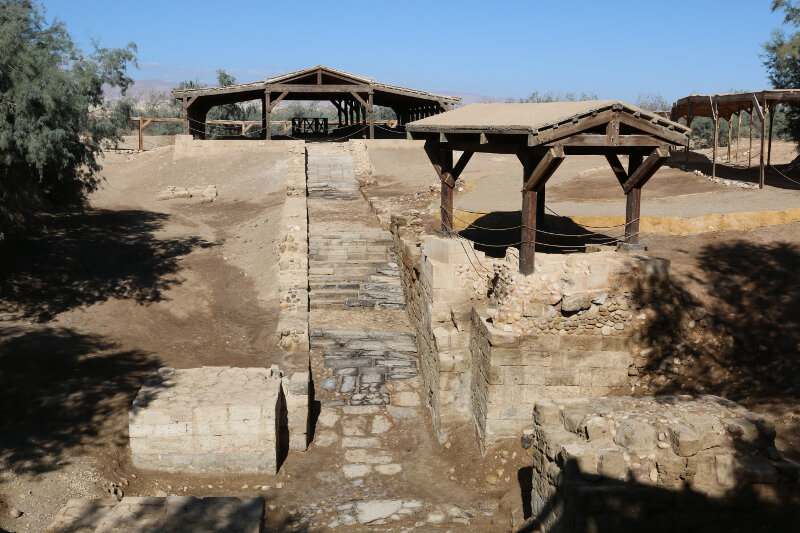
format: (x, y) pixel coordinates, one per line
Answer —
(614, 49)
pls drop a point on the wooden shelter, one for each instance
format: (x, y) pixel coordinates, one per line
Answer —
(541, 136)
(353, 96)
(727, 105)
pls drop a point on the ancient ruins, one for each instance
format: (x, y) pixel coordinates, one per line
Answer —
(433, 366)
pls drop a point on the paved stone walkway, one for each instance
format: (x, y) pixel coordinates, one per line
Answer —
(364, 360)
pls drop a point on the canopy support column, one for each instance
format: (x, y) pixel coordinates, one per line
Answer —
(371, 112)
(715, 117)
(738, 134)
(730, 136)
(537, 168)
(688, 125)
(769, 150)
(750, 150)
(268, 99)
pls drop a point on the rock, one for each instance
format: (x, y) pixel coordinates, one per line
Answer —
(328, 418)
(596, 428)
(13, 512)
(355, 470)
(368, 512)
(606, 330)
(389, 470)
(611, 464)
(329, 384)
(405, 399)
(380, 424)
(436, 517)
(326, 438)
(635, 436)
(685, 441)
(576, 302)
(491, 479)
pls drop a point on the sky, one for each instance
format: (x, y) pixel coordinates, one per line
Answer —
(614, 49)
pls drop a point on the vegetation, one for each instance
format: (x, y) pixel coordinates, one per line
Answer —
(48, 86)
(536, 98)
(782, 60)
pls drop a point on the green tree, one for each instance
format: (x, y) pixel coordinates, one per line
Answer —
(49, 144)
(782, 60)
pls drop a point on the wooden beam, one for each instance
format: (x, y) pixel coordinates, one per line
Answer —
(750, 150)
(544, 167)
(730, 136)
(461, 164)
(357, 97)
(527, 247)
(371, 110)
(268, 115)
(769, 149)
(738, 134)
(715, 117)
(612, 132)
(618, 168)
(642, 173)
(277, 100)
(592, 139)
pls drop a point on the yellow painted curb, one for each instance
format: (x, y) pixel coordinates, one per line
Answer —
(674, 225)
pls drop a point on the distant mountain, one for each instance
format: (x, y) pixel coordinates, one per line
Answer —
(141, 89)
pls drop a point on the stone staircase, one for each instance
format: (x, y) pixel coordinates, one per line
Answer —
(353, 269)
(331, 176)
(364, 360)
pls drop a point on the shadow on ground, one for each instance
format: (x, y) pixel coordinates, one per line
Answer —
(740, 172)
(493, 233)
(78, 259)
(58, 388)
(611, 505)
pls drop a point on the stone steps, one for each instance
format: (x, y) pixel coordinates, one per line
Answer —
(380, 304)
(364, 344)
(338, 257)
(362, 334)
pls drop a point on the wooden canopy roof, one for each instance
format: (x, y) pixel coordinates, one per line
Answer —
(577, 126)
(729, 104)
(541, 136)
(318, 83)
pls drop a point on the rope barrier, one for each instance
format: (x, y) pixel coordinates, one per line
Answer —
(784, 175)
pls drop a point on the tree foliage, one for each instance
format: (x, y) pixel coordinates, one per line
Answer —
(49, 143)
(782, 59)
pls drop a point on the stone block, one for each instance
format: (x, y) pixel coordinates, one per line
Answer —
(222, 432)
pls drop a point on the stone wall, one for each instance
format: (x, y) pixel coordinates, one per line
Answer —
(187, 146)
(667, 463)
(292, 331)
(439, 311)
(218, 419)
(493, 341)
(511, 371)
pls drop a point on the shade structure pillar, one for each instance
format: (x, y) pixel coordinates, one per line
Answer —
(769, 149)
(730, 136)
(750, 150)
(371, 117)
(185, 116)
(763, 148)
(688, 125)
(738, 133)
(268, 116)
(714, 151)
(527, 247)
(633, 202)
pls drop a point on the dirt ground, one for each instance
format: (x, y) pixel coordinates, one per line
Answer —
(93, 301)
(747, 279)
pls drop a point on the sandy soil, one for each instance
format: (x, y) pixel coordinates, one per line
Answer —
(586, 186)
(747, 279)
(94, 301)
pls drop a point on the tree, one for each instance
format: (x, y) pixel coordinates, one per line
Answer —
(49, 144)
(782, 59)
(652, 102)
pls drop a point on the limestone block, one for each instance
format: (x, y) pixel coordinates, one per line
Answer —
(198, 431)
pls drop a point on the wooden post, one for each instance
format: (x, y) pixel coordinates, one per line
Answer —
(141, 135)
(688, 125)
(537, 168)
(371, 117)
(715, 116)
(769, 150)
(633, 202)
(185, 116)
(527, 247)
(763, 146)
(750, 150)
(730, 135)
(738, 134)
(267, 121)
